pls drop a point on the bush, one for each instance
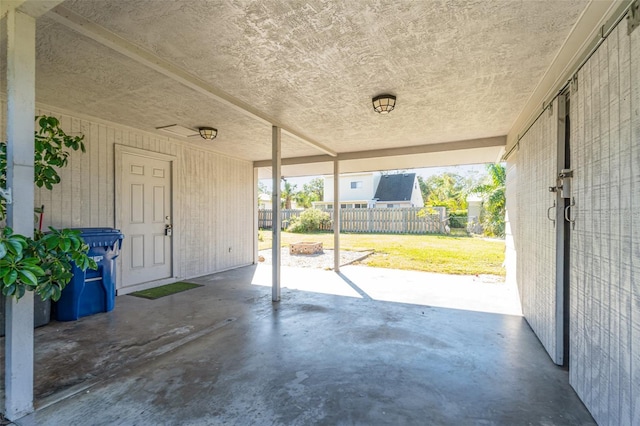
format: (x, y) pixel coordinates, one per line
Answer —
(458, 219)
(309, 221)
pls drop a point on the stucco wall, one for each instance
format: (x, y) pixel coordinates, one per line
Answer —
(213, 198)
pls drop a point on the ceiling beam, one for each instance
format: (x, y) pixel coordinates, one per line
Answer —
(33, 8)
(113, 41)
(392, 152)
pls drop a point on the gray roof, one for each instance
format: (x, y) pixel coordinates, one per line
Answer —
(395, 187)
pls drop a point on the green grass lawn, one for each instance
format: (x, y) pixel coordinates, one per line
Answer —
(432, 253)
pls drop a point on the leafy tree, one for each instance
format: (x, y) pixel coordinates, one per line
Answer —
(312, 191)
(492, 190)
(262, 189)
(315, 188)
(424, 188)
(445, 190)
(303, 200)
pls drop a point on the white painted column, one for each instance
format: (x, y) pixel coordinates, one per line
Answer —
(21, 61)
(276, 166)
(336, 216)
(256, 225)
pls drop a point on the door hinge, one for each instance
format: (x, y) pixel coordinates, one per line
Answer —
(633, 17)
(574, 83)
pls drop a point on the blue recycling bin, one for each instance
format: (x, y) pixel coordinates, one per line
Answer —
(92, 291)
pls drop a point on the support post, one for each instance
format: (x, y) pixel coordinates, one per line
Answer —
(256, 214)
(21, 61)
(336, 216)
(276, 223)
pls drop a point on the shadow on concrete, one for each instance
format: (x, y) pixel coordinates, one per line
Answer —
(224, 353)
(354, 286)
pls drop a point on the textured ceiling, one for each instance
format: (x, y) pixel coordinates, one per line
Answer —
(460, 69)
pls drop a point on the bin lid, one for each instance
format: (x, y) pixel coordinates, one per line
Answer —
(100, 237)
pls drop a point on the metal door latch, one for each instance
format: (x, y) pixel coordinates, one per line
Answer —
(563, 183)
(168, 230)
(567, 214)
(549, 211)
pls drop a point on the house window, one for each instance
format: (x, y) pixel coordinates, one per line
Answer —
(356, 184)
(344, 206)
(389, 206)
(360, 206)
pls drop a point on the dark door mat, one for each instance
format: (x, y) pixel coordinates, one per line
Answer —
(164, 290)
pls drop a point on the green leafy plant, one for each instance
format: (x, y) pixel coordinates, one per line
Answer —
(458, 219)
(51, 153)
(42, 264)
(492, 190)
(309, 221)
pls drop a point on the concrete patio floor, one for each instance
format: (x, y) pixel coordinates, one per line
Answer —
(368, 346)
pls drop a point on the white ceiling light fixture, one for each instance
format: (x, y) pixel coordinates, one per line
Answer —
(384, 104)
(208, 133)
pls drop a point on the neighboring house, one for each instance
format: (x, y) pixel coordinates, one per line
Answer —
(265, 201)
(373, 189)
(401, 190)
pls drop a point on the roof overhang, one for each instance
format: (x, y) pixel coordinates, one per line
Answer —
(474, 151)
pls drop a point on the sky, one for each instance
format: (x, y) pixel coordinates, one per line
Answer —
(471, 169)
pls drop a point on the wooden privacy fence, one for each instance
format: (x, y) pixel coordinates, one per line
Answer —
(377, 220)
(265, 217)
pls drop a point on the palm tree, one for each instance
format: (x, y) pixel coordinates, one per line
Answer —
(288, 193)
(492, 190)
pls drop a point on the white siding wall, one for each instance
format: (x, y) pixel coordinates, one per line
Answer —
(366, 192)
(213, 199)
(416, 195)
(535, 234)
(605, 245)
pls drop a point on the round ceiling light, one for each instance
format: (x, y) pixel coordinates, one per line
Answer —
(384, 104)
(208, 133)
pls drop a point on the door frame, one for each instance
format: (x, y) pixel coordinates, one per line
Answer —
(562, 235)
(119, 152)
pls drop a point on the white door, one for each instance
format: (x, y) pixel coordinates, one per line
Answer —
(145, 219)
